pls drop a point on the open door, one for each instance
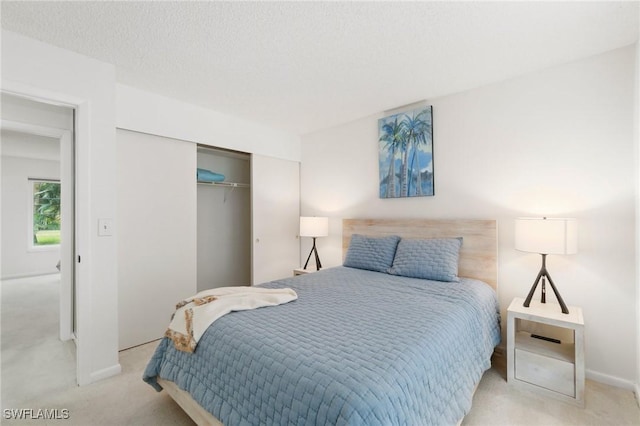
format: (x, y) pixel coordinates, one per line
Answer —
(67, 240)
(67, 228)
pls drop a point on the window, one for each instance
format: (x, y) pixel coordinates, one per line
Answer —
(45, 229)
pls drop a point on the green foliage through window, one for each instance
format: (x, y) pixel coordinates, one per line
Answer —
(46, 213)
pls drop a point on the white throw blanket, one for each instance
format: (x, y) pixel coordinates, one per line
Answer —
(194, 315)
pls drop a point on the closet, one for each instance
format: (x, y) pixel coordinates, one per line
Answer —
(247, 224)
(176, 237)
(224, 219)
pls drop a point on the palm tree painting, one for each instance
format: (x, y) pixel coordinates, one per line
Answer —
(406, 154)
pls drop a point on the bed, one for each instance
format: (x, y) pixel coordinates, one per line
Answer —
(359, 346)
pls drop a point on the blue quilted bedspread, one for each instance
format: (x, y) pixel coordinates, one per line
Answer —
(356, 348)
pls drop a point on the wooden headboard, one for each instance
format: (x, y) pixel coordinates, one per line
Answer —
(478, 256)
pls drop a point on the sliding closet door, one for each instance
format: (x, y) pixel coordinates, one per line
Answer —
(156, 225)
(275, 190)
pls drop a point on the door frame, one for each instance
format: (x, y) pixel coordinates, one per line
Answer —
(82, 269)
(67, 175)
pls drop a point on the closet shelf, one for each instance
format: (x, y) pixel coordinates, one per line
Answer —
(225, 184)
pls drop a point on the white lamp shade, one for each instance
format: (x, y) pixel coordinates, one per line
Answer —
(546, 235)
(314, 226)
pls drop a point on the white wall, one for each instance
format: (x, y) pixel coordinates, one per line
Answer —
(27, 156)
(44, 71)
(558, 142)
(158, 115)
(25, 110)
(19, 257)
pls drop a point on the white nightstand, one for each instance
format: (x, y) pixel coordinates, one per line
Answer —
(550, 368)
(302, 271)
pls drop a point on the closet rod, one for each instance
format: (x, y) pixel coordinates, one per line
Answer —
(229, 187)
(225, 184)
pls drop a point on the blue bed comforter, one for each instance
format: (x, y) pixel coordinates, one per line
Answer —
(356, 348)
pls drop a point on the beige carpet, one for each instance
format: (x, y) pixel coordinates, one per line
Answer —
(31, 351)
(37, 373)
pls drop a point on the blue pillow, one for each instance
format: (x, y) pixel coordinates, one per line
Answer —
(371, 253)
(431, 259)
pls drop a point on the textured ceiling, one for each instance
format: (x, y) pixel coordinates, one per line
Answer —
(304, 66)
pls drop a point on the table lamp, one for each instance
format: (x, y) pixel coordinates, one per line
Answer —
(314, 227)
(546, 236)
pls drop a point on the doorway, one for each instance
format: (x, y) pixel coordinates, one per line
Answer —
(38, 244)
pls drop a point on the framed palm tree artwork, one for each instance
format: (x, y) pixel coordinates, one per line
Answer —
(406, 154)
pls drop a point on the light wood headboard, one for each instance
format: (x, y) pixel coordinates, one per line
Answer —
(478, 256)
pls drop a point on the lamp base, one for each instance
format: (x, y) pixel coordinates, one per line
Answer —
(542, 275)
(314, 250)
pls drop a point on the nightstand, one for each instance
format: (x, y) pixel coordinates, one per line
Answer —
(302, 271)
(553, 366)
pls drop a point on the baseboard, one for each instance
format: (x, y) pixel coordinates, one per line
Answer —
(28, 275)
(105, 373)
(500, 350)
(612, 381)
